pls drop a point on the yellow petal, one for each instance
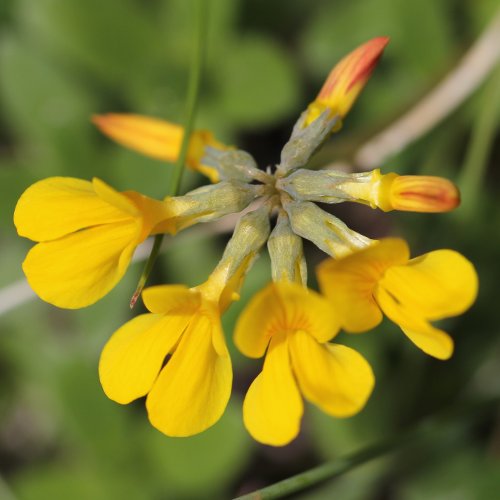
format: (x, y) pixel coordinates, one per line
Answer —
(255, 324)
(150, 136)
(133, 356)
(334, 377)
(283, 307)
(193, 388)
(157, 138)
(432, 341)
(58, 206)
(347, 79)
(157, 216)
(171, 298)
(272, 409)
(435, 285)
(306, 310)
(78, 269)
(113, 197)
(349, 282)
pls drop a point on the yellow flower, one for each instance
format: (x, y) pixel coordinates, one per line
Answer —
(158, 138)
(190, 393)
(412, 293)
(346, 80)
(294, 325)
(87, 234)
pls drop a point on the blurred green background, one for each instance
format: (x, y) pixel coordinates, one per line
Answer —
(63, 60)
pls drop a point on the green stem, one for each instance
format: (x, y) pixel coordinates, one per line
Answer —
(483, 134)
(196, 70)
(429, 428)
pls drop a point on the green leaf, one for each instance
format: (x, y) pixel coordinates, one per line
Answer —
(257, 82)
(51, 117)
(204, 465)
(114, 39)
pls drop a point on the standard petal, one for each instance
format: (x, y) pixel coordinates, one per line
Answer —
(133, 356)
(308, 311)
(334, 377)
(77, 270)
(349, 282)
(432, 341)
(273, 408)
(279, 308)
(58, 206)
(436, 285)
(258, 322)
(193, 388)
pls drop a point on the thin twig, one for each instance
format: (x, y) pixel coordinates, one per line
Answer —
(193, 93)
(431, 427)
(472, 70)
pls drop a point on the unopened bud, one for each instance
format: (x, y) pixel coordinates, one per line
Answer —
(326, 231)
(329, 186)
(415, 193)
(209, 203)
(304, 142)
(346, 80)
(286, 252)
(157, 138)
(233, 164)
(249, 235)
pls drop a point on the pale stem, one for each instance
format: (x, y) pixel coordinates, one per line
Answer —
(471, 71)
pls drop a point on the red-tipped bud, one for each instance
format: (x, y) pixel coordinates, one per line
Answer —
(414, 193)
(347, 79)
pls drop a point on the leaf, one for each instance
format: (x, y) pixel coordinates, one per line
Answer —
(201, 466)
(257, 82)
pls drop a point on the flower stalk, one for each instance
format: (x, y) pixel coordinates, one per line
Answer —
(195, 74)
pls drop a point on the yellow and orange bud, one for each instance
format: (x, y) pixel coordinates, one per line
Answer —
(417, 193)
(157, 138)
(346, 80)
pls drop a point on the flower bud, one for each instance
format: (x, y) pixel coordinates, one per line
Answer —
(304, 142)
(249, 235)
(157, 138)
(287, 256)
(209, 203)
(326, 231)
(329, 186)
(233, 164)
(418, 193)
(346, 80)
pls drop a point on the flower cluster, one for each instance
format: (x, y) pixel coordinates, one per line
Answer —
(176, 354)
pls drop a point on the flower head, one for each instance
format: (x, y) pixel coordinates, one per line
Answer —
(411, 292)
(86, 232)
(293, 325)
(176, 354)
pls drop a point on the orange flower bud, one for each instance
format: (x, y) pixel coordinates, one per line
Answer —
(347, 79)
(157, 138)
(415, 193)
